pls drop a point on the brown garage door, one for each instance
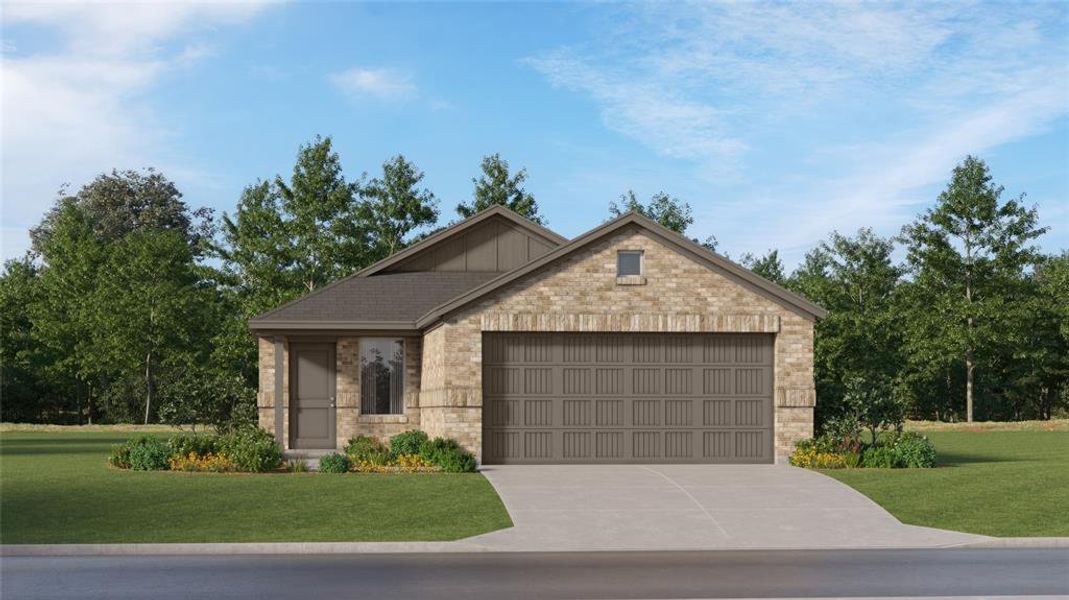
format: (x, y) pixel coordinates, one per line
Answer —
(627, 398)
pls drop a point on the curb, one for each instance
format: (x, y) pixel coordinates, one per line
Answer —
(288, 548)
(1019, 542)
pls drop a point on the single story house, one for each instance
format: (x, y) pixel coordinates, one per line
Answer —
(627, 344)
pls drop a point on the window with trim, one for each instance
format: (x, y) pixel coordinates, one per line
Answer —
(382, 376)
(628, 263)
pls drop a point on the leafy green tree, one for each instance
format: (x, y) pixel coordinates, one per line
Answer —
(24, 388)
(497, 185)
(1039, 350)
(671, 212)
(62, 318)
(292, 237)
(394, 207)
(149, 307)
(855, 279)
(967, 257)
(768, 266)
(121, 202)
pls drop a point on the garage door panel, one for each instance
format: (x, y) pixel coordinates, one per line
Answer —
(587, 398)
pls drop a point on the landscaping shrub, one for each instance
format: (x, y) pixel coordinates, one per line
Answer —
(367, 449)
(407, 442)
(120, 456)
(878, 457)
(191, 443)
(297, 465)
(334, 463)
(448, 455)
(212, 463)
(809, 456)
(251, 449)
(149, 454)
(913, 451)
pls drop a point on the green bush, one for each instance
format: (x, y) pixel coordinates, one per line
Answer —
(334, 463)
(448, 455)
(878, 457)
(913, 450)
(120, 456)
(367, 449)
(251, 449)
(407, 442)
(191, 443)
(149, 454)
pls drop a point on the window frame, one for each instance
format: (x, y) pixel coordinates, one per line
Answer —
(641, 263)
(368, 405)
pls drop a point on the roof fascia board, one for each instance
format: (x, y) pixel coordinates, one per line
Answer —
(483, 215)
(260, 326)
(738, 273)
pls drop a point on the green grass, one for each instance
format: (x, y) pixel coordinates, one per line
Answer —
(55, 487)
(999, 483)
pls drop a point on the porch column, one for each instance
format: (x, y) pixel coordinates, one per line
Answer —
(279, 414)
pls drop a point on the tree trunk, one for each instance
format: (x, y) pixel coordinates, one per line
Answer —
(148, 385)
(969, 366)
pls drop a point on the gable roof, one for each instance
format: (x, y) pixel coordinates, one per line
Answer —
(372, 299)
(393, 301)
(497, 211)
(699, 253)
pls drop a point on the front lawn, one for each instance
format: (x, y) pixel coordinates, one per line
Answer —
(55, 487)
(989, 481)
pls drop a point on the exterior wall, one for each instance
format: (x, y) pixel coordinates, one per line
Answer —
(675, 295)
(349, 421)
(265, 396)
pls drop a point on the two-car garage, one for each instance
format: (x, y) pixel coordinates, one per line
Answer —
(627, 398)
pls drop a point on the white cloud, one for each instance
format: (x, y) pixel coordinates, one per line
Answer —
(78, 108)
(858, 107)
(382, 83)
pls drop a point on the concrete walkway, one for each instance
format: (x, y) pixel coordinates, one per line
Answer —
(693, 507)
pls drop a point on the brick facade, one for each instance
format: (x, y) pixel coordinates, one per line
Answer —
(679, 295)
(349, 420)
(443, 373)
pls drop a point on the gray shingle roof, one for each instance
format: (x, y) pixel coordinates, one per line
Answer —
(397, 298)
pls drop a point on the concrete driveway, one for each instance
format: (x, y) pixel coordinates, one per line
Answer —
(692, 507)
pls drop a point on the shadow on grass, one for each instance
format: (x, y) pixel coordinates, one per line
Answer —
(957, 459)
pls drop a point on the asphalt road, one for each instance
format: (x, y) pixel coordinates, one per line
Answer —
(869, 573)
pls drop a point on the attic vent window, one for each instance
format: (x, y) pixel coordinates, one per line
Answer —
(629, 267)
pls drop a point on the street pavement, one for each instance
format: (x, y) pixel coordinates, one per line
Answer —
(988, 573)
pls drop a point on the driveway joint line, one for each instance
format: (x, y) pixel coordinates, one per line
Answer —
(692, 499)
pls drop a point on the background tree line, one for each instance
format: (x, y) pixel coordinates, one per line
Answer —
(131, 306)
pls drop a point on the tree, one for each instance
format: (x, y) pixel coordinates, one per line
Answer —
(967, 255)
(62, 318)
(496, 186)
(23, 383)
(121, 202)
(1039, 348)
(855, 279)
(149, 307)
(667, 210)
(393, 207)
(768, 266)
(289, 238)
(671, 212)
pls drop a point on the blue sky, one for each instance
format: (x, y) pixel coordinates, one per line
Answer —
(778, 123)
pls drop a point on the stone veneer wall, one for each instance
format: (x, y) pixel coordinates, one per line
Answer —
(349, 421)
(677, 295)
